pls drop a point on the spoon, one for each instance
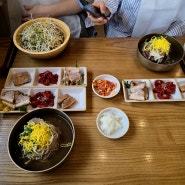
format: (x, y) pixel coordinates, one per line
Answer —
(9, 59)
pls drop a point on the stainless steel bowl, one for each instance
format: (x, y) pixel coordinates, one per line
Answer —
(176, 54)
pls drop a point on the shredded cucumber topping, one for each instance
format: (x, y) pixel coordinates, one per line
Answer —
(41, 36)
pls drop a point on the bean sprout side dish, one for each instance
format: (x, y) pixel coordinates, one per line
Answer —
(41, 36)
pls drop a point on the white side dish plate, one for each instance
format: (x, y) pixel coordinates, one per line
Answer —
(9, 80)
(79, 94)
(177, 96)
(53, 70)
(76, 91)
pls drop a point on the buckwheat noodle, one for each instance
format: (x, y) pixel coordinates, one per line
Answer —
(39, 140)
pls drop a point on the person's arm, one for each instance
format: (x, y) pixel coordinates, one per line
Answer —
(65, 7)
(177, 28)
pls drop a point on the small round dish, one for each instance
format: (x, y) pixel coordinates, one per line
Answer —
(112, 123)
(110, 79)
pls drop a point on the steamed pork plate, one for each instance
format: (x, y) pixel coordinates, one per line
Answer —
(41, 36)
(138, 91)
(38, 140)
(14, 100)
(157, 50)
(72, 76)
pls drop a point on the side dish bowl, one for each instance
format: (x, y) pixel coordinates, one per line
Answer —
(43, 54)
(105, 83)
(58, 119)
(112, 123)
(176, 54)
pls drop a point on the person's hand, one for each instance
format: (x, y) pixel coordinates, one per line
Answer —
(34, 11)
(103, 10)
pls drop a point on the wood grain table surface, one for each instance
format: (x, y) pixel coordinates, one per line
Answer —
(152, 151)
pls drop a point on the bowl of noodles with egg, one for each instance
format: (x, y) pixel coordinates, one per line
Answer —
(42, 38)
(159, 52)
(41, 140)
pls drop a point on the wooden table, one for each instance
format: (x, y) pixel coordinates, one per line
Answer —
(152, 151)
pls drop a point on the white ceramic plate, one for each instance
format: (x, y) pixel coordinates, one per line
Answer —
(79, 93)
(111, 79)
(34, 91)
(25, 91)
(177, 96)
(181, 82)
(123, 122)
(9, 81)
(83, 71)
(53, 70)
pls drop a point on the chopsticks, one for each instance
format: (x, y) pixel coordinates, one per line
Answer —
(9, 59)
(182, 63)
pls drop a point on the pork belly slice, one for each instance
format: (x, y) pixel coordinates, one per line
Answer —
(8, 96)
(138, 91)
(21, 78)
(22, 100)
(73, 74)
(66, 101)
(17, 99)
(138, 95)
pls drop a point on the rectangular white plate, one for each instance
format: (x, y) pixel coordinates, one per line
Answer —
(53, 70)
(9, 81)
(25, 91)
(34, 73)
(34, 91)
(177, 96)
(83, 71)
(79, 93)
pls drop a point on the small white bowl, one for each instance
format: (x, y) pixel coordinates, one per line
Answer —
(123, 123)
(111, 79)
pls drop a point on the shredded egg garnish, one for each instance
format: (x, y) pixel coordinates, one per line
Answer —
(158, 45)
(36, 135)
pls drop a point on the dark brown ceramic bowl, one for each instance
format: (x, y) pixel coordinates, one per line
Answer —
(55, 117)
(176, 54)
